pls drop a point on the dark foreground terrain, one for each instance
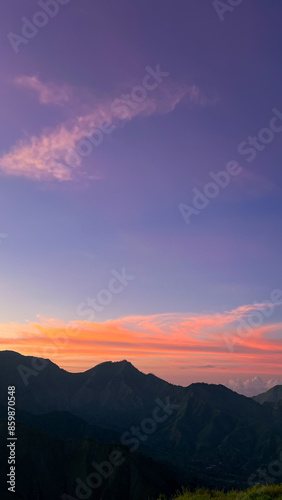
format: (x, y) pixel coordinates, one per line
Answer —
(256, 493)
(144, 435)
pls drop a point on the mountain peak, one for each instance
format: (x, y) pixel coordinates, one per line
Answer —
(124, 362)
(113, 369)
(273, 395)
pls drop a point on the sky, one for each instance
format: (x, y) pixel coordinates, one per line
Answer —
(140, 164)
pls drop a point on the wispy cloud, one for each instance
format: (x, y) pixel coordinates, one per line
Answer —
(165, 340)
(44, 157)
(48, 93)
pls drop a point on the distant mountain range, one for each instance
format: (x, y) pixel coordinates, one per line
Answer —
(274, 395)
(203, 434)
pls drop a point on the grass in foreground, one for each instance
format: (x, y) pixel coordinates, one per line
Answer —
(268, 492)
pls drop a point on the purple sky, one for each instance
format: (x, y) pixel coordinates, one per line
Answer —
(68, 226)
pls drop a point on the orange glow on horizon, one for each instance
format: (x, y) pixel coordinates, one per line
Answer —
(173, 346)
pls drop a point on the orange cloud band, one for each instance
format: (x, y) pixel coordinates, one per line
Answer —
(161, 343)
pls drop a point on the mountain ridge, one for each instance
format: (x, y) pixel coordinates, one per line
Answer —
(120, 365)
(208, 433)
(273, 395)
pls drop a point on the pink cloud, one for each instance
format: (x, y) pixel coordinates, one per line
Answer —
(166, 341)
(47, 93)
(45, 157)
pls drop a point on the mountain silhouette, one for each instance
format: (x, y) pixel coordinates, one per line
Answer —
(271, 396)
(49, 468)
(205, 434)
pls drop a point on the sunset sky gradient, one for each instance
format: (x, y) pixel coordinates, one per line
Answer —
(65, 229)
